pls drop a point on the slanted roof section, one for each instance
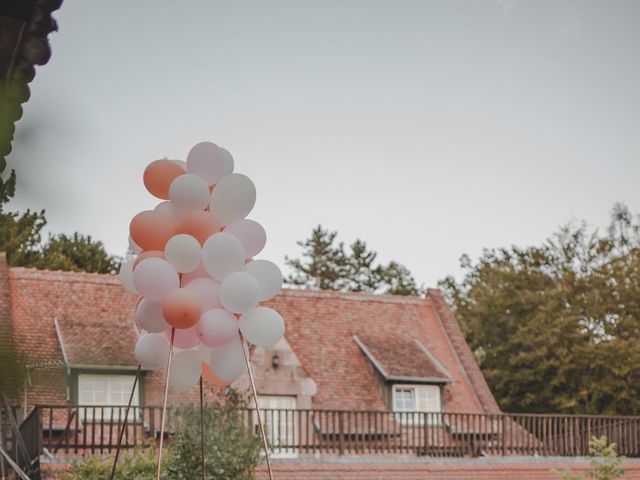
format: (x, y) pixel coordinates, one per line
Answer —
(402, 359)
(88, 344)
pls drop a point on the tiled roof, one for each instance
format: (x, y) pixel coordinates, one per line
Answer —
(116, 349)
(402, 358)
(97, 325)
(321, 326)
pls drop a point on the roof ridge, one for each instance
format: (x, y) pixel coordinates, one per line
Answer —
(467, 361)
(93, 277)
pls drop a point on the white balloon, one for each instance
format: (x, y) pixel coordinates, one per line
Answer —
(262, 326)
(222, 254)
(183, 252)
(228, 161)
(186, 368)
(207, 291)
(217, 327)
(135, 248)
(268, 275)
(251, 235)
(204, 352)
(126, 276)
(233, 198)
(155, 277)
(170, 211)
(189, 192)
(149, 315)
(239, 292)
(152, 351)
(208, 161)
(228, 362)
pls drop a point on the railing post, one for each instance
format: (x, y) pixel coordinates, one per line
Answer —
(340, 434)
(504, 445)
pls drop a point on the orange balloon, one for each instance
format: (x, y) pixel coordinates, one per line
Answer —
(200, 225)
(208, 375)
(158, 176)
(148, 254)
(152, 230)
(181, 308)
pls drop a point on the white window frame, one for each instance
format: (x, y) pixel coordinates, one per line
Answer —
(417, 415)
(105, 413)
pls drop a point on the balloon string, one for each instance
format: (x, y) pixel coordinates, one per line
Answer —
(124, 424)
(255, 397)
(164, 403)
(202, 427)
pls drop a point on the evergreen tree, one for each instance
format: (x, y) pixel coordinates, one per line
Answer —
(323, 264)
(360, 275)
(326, 266)
(556, 327)
(396, 279)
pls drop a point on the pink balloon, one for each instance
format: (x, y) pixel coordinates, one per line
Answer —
(199, 272)
(208, 161)
(149, 315)
(154, 278)
(217, 327)
(184, 337)
(206, 289)
(251, 235)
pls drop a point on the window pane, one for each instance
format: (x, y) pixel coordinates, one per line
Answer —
(428, 398)
(106, 389)
(404, 400)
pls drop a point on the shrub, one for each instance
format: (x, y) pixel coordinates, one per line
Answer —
(605, 464)
(137, 465)
(231, 452)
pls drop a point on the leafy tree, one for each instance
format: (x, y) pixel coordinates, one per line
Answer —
(326, 265)
(21, 239)
(76, 252)
(19, 233)
(556, 327)
(605, 464)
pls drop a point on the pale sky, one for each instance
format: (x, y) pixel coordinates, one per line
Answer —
(427, 128)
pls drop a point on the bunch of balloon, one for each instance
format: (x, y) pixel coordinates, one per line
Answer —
(198, 283)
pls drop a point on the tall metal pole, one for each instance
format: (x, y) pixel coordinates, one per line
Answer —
(255, 398)
(124, 424)
(164, 403)
(202, 428)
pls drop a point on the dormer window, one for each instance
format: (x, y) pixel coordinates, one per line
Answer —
(420, 402)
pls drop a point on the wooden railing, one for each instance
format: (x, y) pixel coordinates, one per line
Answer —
(21, 441)
(93, 430)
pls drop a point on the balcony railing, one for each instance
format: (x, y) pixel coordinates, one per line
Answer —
(85, 430)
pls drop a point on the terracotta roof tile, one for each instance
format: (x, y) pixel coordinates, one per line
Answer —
(401, 357)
